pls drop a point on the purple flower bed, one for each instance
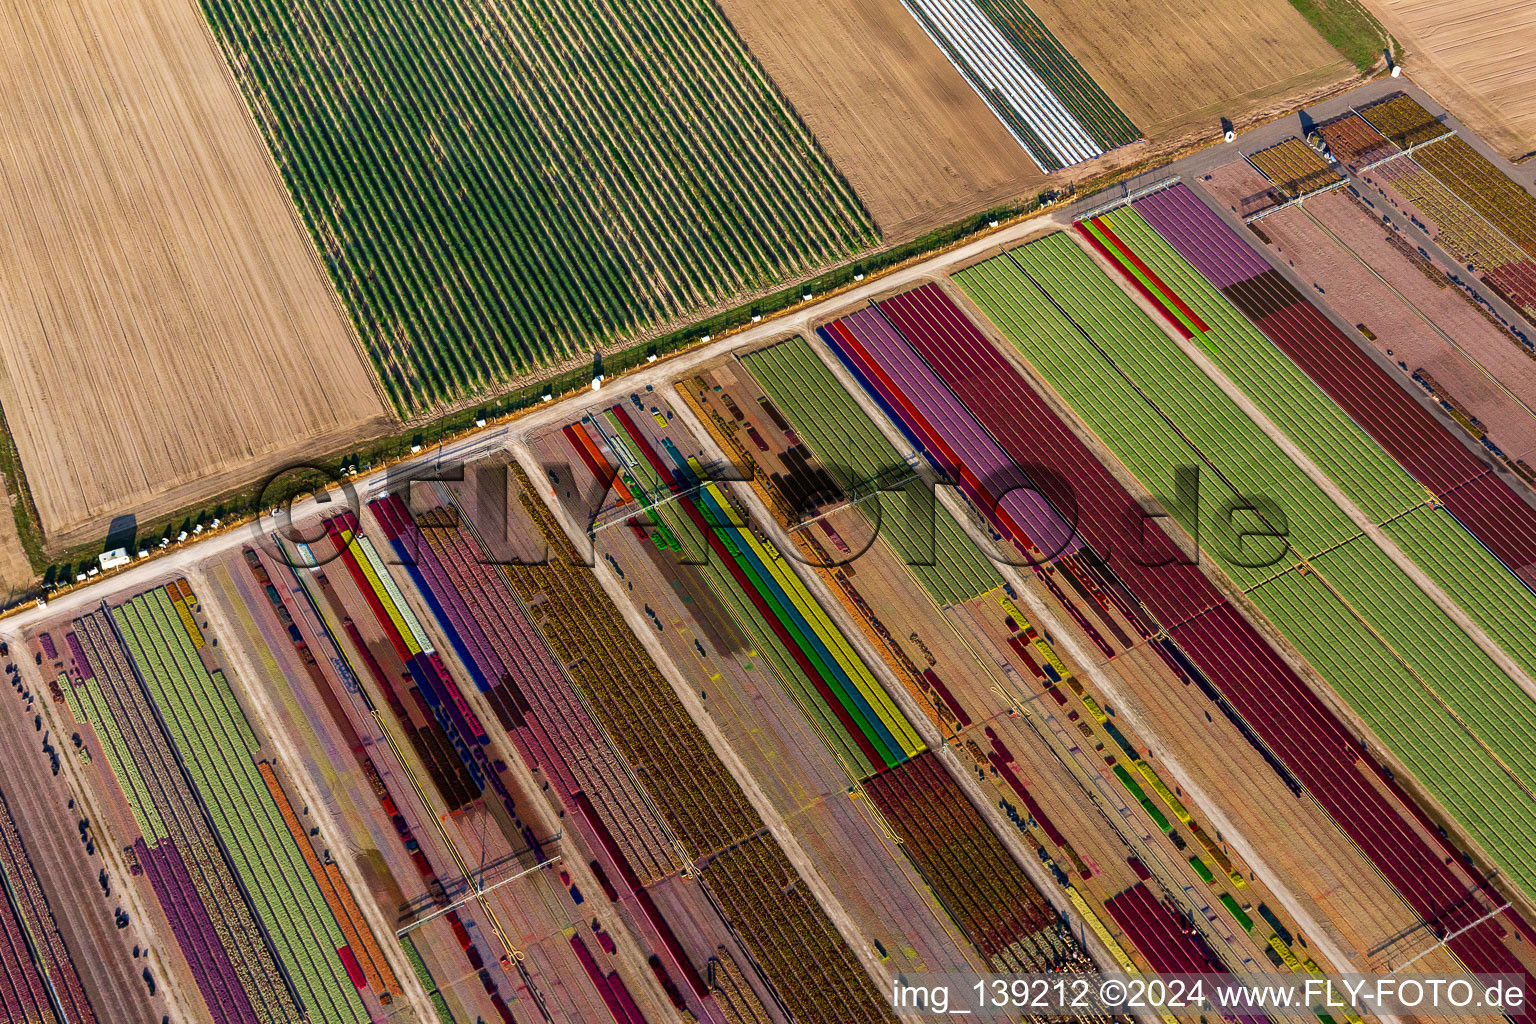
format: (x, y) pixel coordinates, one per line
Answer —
(951, 438)
(195, 934)
(1200, 236)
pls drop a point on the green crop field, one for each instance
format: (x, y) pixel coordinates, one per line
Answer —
(495, 188)
(1412, 675)
(215, 742)
(852, 448)
(1455, 560)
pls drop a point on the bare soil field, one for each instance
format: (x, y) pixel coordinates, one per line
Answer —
(165, 328)
(1195, 61)
(1477, 58)
(920, 147)
(16, 575)
(914, 140)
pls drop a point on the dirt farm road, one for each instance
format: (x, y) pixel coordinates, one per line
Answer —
(801, 319)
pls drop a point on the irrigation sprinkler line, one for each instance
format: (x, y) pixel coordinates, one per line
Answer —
(1298, 201)
(1446, 941)
(1131, 197)
(508, 949)
(684, 862)
(480, 891)
(1498, 232)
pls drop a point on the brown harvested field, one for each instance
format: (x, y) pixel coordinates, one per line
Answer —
(166, 331)
(1176, 66)
(1478, 59)
(16, 575)
(920, 147)
(914, 140)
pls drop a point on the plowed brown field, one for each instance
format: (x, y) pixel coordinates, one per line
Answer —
(1479, 58)
(912, 138)
(922, 149)
(1173, 65)
(166, 331)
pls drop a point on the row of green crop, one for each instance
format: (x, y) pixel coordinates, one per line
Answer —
(1461, 566)
(1162, 425)
(1374, 635)
(444, 1015)
(88, 706)
(1061, 72)
(675, 527)
(496, 188)
(1371, 478)
(212, 876)
(215, 742)
(767, 646)
(852, 448)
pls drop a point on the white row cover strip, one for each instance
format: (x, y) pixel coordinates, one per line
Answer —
(992, 57)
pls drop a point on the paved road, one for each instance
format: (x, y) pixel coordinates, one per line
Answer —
(801, 319)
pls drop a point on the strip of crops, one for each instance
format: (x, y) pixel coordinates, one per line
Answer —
(533, 700)
(1402, 121)
(27, 917)
(194, 881)
(1043, 97)
(1475, 179)
(1226, 655)
(778, 921)
(1072, 85)
(1455, 559)
(494, 188)
(983, 889)
(1353, 142)
(216, 744)
(843, 698)
(1295, 168)
(855, 452)
(1410, 670)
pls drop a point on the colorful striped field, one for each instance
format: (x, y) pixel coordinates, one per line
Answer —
(1458, 562)
(854, 451)
(216, 744)
(1228, 656)
(826, 676)
(1431, 694)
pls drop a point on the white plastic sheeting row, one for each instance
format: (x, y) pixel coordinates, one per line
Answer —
(999, 74)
